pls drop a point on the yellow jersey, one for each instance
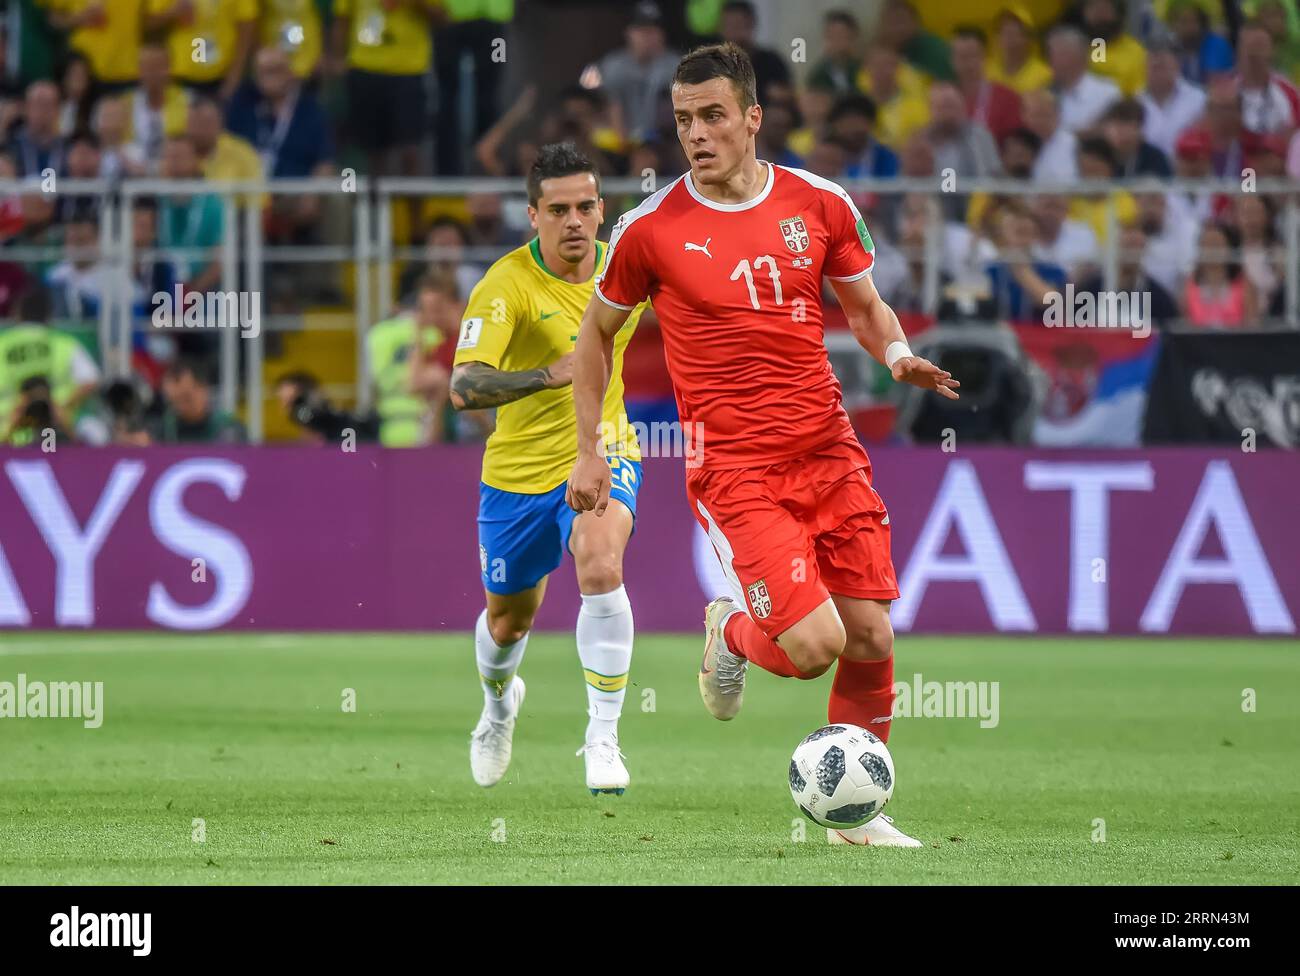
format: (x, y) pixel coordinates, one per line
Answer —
(202, 45)
(233, 159)
(294, 26)
(522, 316)
(388, 42)
(112, 44)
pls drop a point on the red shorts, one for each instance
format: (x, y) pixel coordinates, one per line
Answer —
(790, 534)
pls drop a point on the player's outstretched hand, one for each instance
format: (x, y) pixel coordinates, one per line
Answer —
(925, 374)
(588, 489)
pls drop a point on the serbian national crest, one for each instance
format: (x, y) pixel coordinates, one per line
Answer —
(759, 600)
(795, 232)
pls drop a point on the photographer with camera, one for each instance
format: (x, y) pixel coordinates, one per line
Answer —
(32, 350)
(320, 421)
(35, 417)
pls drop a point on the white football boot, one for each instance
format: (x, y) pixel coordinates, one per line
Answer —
(490, 742)
(878, 832)
(605, 770)
(722, 673)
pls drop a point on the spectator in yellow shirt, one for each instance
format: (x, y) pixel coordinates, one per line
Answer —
(899, 92)
(223, 156)
(1123, 60)
(387, 47)
(209, 40)
(1013, 61)
(293, 26)
(107, 32)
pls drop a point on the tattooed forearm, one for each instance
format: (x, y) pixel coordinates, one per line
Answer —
(476, 386)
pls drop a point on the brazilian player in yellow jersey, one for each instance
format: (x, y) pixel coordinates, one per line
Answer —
(515, 353)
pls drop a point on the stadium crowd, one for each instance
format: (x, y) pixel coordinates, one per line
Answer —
(1100, 90)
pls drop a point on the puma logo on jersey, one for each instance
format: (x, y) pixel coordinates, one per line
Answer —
(700, 247)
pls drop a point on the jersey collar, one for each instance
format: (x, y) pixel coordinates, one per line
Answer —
(535, 249)
(732, 207)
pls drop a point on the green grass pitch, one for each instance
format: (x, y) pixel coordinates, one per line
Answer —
(247, 732)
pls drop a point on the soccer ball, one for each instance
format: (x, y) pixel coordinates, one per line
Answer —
(841, 776)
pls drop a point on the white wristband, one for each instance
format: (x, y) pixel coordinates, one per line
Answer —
(895, 351)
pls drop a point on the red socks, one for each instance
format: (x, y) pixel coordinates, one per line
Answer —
(863, 694)
(746, 638)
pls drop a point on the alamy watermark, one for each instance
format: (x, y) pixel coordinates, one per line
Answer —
(947, 699)
(1128, 310)
(181, 309)
(657, 439)
(77, 929)
(53, 699)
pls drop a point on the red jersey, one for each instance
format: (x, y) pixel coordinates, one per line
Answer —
(737, 290)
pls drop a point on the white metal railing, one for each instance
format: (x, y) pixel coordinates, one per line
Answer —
(374, 254)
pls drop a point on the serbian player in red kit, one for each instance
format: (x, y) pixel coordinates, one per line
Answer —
(732, 256)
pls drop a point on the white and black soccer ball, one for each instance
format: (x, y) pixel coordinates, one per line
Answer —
(841, 776)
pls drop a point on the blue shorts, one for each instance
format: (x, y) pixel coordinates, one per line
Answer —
(522, 538)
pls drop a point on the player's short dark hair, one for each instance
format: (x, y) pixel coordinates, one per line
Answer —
(720, 61)
(971, 33)
(862, 105)
(554, 160)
